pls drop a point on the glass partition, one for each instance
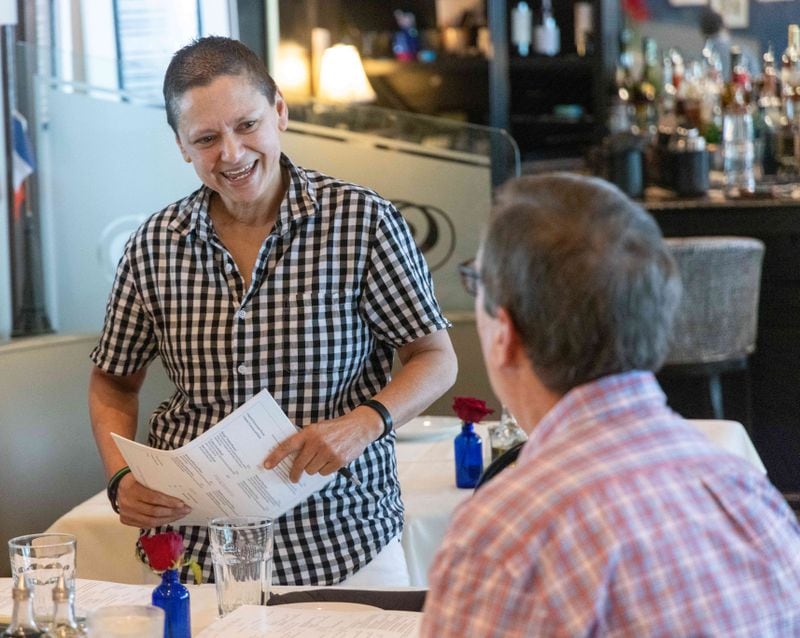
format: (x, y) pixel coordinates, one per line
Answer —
(106, 160)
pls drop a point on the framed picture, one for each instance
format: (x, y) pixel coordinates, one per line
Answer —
(735, 13)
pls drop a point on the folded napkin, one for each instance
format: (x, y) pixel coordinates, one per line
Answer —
(384, 599)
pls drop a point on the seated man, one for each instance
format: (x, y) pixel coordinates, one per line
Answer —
(619, 518)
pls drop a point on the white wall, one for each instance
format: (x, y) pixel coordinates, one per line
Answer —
(48, 459)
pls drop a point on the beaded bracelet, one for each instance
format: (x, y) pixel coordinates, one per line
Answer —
(113, 487)
(384, 414)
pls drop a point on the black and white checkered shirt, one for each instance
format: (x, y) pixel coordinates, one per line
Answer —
(338, 285)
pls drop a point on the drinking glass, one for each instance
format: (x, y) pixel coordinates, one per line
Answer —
(42, 558)
(126, 621)
(241, 550)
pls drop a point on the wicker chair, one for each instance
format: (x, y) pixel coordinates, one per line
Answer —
(715, 326)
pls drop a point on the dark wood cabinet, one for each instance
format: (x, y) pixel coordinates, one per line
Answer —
(553, 106)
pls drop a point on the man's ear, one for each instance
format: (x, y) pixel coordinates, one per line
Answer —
(185, 155)
(507, 344)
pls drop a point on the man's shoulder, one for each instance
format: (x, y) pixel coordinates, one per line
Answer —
(507, 514)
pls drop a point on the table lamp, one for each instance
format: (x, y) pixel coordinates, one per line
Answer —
(342, 79)
(292, 72)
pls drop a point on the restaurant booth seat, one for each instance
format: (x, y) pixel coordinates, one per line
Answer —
(715, 325)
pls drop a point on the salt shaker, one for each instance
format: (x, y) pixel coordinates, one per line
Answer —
(22, 623)
(64, 623)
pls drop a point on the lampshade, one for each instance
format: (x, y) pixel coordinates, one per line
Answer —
(292, 72)
(342, 78)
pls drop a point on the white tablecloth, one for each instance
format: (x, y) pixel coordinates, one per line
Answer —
(427, 481)
(91, 594)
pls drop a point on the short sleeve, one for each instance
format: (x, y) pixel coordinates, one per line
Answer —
(398, 301)
(127, 343)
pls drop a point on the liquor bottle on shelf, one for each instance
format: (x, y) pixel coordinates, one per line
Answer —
(521, 28)
(647, 89)
(621, 111)
(738, 88)
(738, 135)
(711, 102)
(623, 72)
(546, 36)
(788, 151)
(768, 119)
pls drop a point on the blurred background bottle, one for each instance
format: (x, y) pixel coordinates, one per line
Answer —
(522, 28)
(648, 89)
(506, 434)
(738, 135)
(789, 135)
(768, 120)
(547, 36)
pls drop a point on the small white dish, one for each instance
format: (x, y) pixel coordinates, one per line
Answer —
(429, 428)
(331, 606)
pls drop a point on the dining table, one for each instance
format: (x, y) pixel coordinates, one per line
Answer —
(309, 606)
(426, 472)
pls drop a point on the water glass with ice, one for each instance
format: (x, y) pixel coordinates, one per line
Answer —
(42, 558)
(241, 551)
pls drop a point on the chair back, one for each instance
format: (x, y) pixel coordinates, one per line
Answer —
(718, 313)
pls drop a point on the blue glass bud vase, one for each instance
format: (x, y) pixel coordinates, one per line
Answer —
(173, 597)
(469, 456)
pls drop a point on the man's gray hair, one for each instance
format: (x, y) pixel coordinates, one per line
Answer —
(585, 275)
(206, 59)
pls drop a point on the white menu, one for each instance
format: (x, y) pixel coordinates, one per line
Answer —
(220, 473)
(250, 621)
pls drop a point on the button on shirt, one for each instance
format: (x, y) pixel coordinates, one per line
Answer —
(337, 287)
(619, 519)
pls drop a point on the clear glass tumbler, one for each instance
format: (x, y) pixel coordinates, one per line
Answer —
(42, 558)
(241, 550)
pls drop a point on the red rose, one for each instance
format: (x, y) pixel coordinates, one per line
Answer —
(164, 551)
(470, 410)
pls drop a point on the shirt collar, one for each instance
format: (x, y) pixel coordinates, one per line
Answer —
(603, 400)
(301, 196)
(299, 202)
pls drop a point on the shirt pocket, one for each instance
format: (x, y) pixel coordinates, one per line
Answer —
(319, 333)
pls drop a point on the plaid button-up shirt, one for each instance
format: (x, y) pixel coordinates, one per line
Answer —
(619, 519)
(337, 287)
